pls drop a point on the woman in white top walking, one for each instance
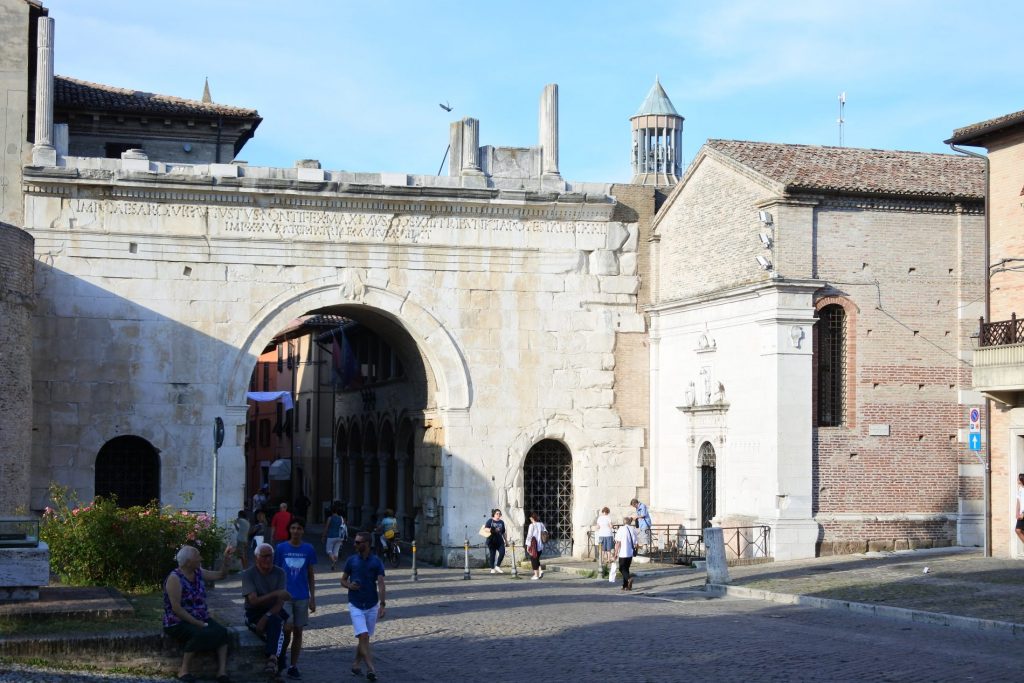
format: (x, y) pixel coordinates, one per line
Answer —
(605, 535)
(535, 544)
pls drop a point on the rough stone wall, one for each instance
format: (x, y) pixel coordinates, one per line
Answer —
(1006, 161)
(906, 339)
(14, 123)
(16, 300)
(636, 204)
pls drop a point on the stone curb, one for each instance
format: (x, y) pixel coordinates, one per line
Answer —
(586, 573)
(864, 609)
(152, 650)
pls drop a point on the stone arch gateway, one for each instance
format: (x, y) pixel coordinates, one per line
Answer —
(171, 280)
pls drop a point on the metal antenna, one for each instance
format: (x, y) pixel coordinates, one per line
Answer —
(842, 105)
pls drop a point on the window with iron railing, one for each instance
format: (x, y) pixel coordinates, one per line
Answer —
(830, 357)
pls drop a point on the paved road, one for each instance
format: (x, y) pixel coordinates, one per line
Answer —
(495, 629)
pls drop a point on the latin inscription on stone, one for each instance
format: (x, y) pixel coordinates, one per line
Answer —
(323, 224)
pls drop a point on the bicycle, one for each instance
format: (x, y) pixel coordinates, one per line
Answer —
(392, 553)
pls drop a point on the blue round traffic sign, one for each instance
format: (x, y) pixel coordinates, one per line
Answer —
(975, 415)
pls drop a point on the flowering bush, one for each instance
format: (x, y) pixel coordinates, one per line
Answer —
(132, 549)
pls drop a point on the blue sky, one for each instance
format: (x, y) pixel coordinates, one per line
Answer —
(357, 84)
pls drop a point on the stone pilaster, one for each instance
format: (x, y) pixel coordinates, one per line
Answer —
(455, 149)
(43, 151)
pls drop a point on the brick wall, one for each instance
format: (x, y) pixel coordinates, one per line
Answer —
(16, 299)
(1007, 297)
(709, 240)
(905, 271)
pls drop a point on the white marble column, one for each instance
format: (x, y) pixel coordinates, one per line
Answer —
(549, 129)
(43, 151)
(470, 146)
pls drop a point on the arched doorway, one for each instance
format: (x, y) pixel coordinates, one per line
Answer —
(128, 467)
(547, 490)
(708, 484)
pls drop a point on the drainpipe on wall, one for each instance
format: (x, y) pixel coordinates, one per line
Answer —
(988, 317)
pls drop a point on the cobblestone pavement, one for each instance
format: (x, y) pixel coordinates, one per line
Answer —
(495, 629)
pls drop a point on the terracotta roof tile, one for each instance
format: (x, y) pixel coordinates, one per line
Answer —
(860, 171)
(70, 93)
(976, 130)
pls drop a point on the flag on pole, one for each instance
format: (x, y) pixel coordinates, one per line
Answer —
(345, 367)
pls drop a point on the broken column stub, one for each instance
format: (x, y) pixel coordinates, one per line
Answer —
(714, 550)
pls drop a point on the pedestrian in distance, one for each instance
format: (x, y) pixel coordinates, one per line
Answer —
(1020, 507)
(258, 531)
(265, 593)
(301, 506)
(643, 523)
(605, 535)
(186, 616)
(259, 501)
(496, 542)
(534, 543)
(363, 577)
(280, 522)
(297, 558)
(334, 535)
(625, 550)
(241, 524)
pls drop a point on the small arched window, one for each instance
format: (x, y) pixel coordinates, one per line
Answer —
(128, 467)
(830, 358)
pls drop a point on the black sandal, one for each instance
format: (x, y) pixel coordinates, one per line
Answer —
(371, 675)
(356, 671)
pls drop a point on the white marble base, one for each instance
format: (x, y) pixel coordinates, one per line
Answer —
(23, 571)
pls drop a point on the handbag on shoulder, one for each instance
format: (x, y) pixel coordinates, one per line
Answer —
(485, 531)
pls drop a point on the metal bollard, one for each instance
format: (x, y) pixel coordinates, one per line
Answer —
(515, 565)
(415, 576)
(465, 573)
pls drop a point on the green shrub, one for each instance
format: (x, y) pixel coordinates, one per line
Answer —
(132, 549)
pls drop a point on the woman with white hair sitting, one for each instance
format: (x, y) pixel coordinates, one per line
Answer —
(186, 617)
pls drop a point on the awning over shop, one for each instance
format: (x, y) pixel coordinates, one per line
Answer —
(270, 396)
(281, 469)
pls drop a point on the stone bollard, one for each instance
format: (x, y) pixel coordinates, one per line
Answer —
(714, 550)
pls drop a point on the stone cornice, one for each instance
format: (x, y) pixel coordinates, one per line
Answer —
(735, 293)
(317, 196)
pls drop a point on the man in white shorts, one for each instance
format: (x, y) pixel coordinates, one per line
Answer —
(363, 576)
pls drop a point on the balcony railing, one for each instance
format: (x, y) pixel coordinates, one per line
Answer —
(1001, 332)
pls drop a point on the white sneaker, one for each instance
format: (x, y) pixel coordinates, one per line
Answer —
(534, 577)
(541, 573)
(493, 571)
(498, 569)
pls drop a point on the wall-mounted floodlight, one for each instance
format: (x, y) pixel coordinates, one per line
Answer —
(766, 240)
(764, 263)
(765, 217)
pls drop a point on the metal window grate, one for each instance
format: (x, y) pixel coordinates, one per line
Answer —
(708, 484)
(547, 478)
(128, 467)
(831, 366)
